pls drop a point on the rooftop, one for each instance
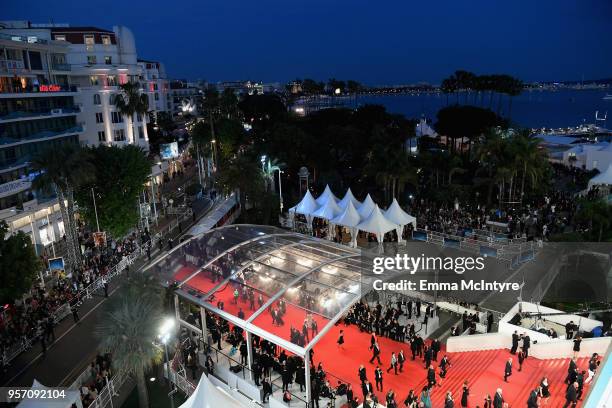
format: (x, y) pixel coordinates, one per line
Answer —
(313, 277)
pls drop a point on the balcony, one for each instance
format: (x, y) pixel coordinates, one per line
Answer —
(23, 38)
(11, 66)
(33, 91)
(6, 141)
(61, 67)
(42, 114)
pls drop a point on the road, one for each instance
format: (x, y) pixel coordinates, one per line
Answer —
(76, 344)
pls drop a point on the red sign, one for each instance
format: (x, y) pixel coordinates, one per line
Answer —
(49, 88)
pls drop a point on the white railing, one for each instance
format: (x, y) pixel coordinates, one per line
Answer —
(110, 390)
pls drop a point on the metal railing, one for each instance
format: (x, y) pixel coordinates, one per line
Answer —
(110, 390)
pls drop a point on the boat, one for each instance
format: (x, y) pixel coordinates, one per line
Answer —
(608, 97)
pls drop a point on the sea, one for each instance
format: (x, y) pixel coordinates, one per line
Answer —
(533, 108)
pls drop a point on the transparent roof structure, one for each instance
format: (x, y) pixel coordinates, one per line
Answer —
(245, 272)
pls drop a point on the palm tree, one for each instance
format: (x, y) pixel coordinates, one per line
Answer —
(132, 101)
(129, 330)
(63, 169)
(529, 158)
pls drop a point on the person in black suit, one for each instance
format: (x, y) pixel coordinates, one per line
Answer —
(532, 401)
(401, 360)
(427, 356)
(571, 371)
(362, 374)
(444, 364)
(508, 369)
(366, 388)
(375, 353)
(571, 396)
(431, 377)
(498, 400)
(435, 349)
(515, 342)
(267, 389)
(526, 345)
(378, 377)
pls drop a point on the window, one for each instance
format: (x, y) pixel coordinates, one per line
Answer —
(116, 117)
(60, 37)
(111, 80)
(89, 41)
(111, 99)
(108, 60)
(91, 60)
(106, 40)
(156, 96)
(140, 132)
(101, 136)
(93, 80)
(154, 86)
(99, 117)
(97, 99)
(138, 117)
(118, 135)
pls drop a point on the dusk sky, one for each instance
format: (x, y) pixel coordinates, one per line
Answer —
(374, 42)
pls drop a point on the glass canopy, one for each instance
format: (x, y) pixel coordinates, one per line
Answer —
(247, 273)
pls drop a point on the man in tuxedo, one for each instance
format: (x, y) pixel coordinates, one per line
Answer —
(366, 388)
(526, 345)
(435, 349)
(375, 353)
(571, 371)
(498, 400)
(401, 360)
(362, 374)
(515, 342)
(571, 395)
(508, 369)
(378, 377)
(532, 401)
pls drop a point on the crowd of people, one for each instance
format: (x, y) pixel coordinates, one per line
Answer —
(99, 373)
(35, 315)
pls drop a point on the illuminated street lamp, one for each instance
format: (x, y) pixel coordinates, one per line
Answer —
(165, 331)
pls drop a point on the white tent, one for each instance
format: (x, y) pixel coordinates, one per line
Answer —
(328, 211)
(349, 218)
(306, 207)
(71, 397)
(326, 195)
(400, 217)
(366, 208)
(206, 395)
(349, 197)
(377, 224)
(602, 178)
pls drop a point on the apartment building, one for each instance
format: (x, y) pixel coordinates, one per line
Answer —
(155, 84)
(38, 108)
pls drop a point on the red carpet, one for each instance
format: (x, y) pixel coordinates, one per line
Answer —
(483, 370)
(294, 315)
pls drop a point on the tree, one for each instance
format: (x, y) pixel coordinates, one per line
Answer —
(243, 172)
(597, 215)
(353, 86)
(63, 170)
(120, 173)
(18, 264)
(129, 330)
(459, 121)
(132, 101)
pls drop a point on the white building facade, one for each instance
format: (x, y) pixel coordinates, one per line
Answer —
(155, 84)
(38, 109)
(101, 60)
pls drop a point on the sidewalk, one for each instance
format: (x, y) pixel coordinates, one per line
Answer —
(66, 359)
